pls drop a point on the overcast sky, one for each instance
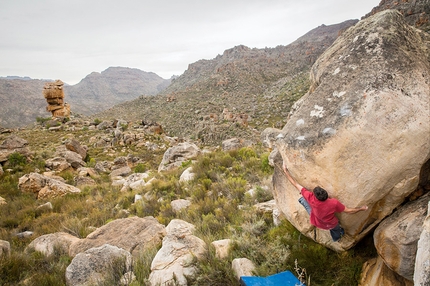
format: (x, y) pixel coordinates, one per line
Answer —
(69, 39)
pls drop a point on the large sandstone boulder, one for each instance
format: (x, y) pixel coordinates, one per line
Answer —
(49, 243)
(75, 146)
(54, 95)
(397, 236)
(362, 131)
(242, 267)
(57, 164)
(174, 261)
(422, 261)
(176, 155)
(133, 234)
(11, 145)
(44, 187)
(104, 265)
(231, 144)
(375, 272)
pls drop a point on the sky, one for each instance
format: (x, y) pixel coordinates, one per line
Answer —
(69, 39)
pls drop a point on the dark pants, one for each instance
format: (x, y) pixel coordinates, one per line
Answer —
(336, 233)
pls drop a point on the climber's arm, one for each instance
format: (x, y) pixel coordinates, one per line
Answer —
(355, 210)
(291, 179)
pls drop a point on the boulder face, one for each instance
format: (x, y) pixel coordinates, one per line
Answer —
(11, 145)
(362, 132)
(422, 260)
(45, 187)
(174, 262)
(49, 243)
(396, 238)
(375, 272)
(104, 265)
(176, 155)
(133, 234)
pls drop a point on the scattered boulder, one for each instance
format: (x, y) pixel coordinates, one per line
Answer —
(121, 172)
(397, 236)
(222, 248)
(134, 182)
(49, 243)
(4, 248)
(422, 261)
(87, 172)
(175, 260)
(176, 155)
(187, 175)
(57, 164)
(137, 197)
(1, 170)
(44, 187)
(25, 234)
(82, 181)
(103, 167)
(242, 267)
(73, 158)
(179, 204)
(2, 201)
(105, 125)
(266, 207)
(11, 145)
(45, 207)
(365, 134)
(269, 136)
(13, 142)
(104, 265)
(132, 234)
(74, 146)
(232, 144)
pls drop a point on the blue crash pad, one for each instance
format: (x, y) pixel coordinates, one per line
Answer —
(285, 278)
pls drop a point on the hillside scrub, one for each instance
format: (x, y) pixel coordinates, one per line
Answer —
(220, 208)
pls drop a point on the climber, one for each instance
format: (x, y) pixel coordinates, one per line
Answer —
(321, 208)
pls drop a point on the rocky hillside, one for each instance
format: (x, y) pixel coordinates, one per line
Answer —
(100, 91)
(23, 101)
(416, 12)
(239, 92)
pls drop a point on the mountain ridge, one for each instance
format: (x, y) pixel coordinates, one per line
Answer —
(249, 82)
(23, 101)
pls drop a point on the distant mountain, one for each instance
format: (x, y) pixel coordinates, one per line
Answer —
(100, 91)
(16, 77)
(250, 83)
(22, 100)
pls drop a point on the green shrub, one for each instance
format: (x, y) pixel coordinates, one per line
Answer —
(214, 272)
(246, 153)
(265, 167)
(262, 195)
(140, 168)
(42, 120)
(142, 265)
(16, 159)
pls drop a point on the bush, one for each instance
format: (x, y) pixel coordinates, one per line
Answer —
(16, 159)
(140, 168)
